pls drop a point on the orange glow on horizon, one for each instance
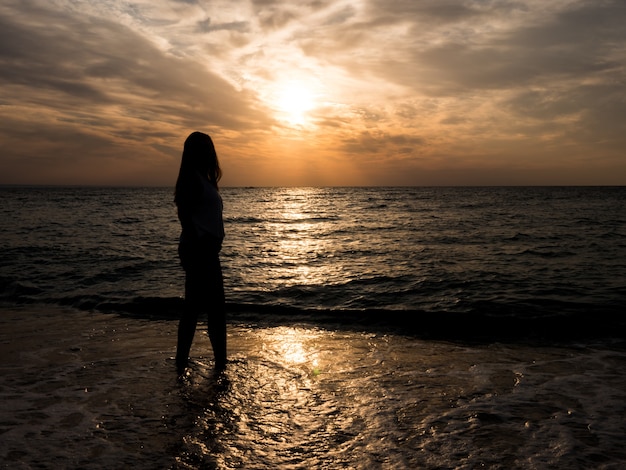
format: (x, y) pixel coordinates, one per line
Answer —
(314, 93)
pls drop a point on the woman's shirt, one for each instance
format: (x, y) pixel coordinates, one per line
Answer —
(202, 215)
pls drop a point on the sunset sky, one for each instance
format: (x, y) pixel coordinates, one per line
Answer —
(327, 92)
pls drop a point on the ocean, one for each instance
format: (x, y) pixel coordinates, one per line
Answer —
(403, 327)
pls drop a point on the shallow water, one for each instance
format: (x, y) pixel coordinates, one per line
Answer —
(93, 390)
(323, 285)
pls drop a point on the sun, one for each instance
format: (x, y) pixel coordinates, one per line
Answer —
(293, 103)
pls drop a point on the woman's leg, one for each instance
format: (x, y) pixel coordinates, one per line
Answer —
(216, 314)
(216, 326)
(204, 292)
(187, 325)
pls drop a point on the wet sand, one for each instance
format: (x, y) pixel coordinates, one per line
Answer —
(94, 390)
(82, 390)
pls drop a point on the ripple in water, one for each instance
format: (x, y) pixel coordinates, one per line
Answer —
(82, 390)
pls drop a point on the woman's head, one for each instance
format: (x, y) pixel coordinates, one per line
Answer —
(199, 155)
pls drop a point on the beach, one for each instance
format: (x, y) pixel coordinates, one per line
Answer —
(84, 390)
(93, 390)
(369, 328)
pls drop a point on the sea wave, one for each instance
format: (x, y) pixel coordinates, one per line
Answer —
(484, 320)
(482, 258)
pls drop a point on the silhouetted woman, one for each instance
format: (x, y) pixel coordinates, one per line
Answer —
(200, 213)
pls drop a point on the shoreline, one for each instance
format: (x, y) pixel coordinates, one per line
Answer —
(75, 385)
(99, 390)
(573, 325)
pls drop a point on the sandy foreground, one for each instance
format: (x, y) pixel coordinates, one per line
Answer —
(78, 388)
(93, 390)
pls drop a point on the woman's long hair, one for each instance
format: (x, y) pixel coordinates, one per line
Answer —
(199, 160)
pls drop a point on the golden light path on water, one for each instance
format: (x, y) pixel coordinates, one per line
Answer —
(295, 346)
(277, 407)
(99, 391)
(298, 245)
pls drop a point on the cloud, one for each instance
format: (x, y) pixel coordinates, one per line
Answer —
(514, 75)
(382, 144)
(104, 63)
(107, 91)
(445, 48)
(205, 26)
(86, 79)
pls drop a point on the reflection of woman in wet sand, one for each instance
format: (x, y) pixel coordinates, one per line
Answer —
(200, 213)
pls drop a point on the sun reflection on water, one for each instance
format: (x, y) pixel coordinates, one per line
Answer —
(294, 346)
(300, 221)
